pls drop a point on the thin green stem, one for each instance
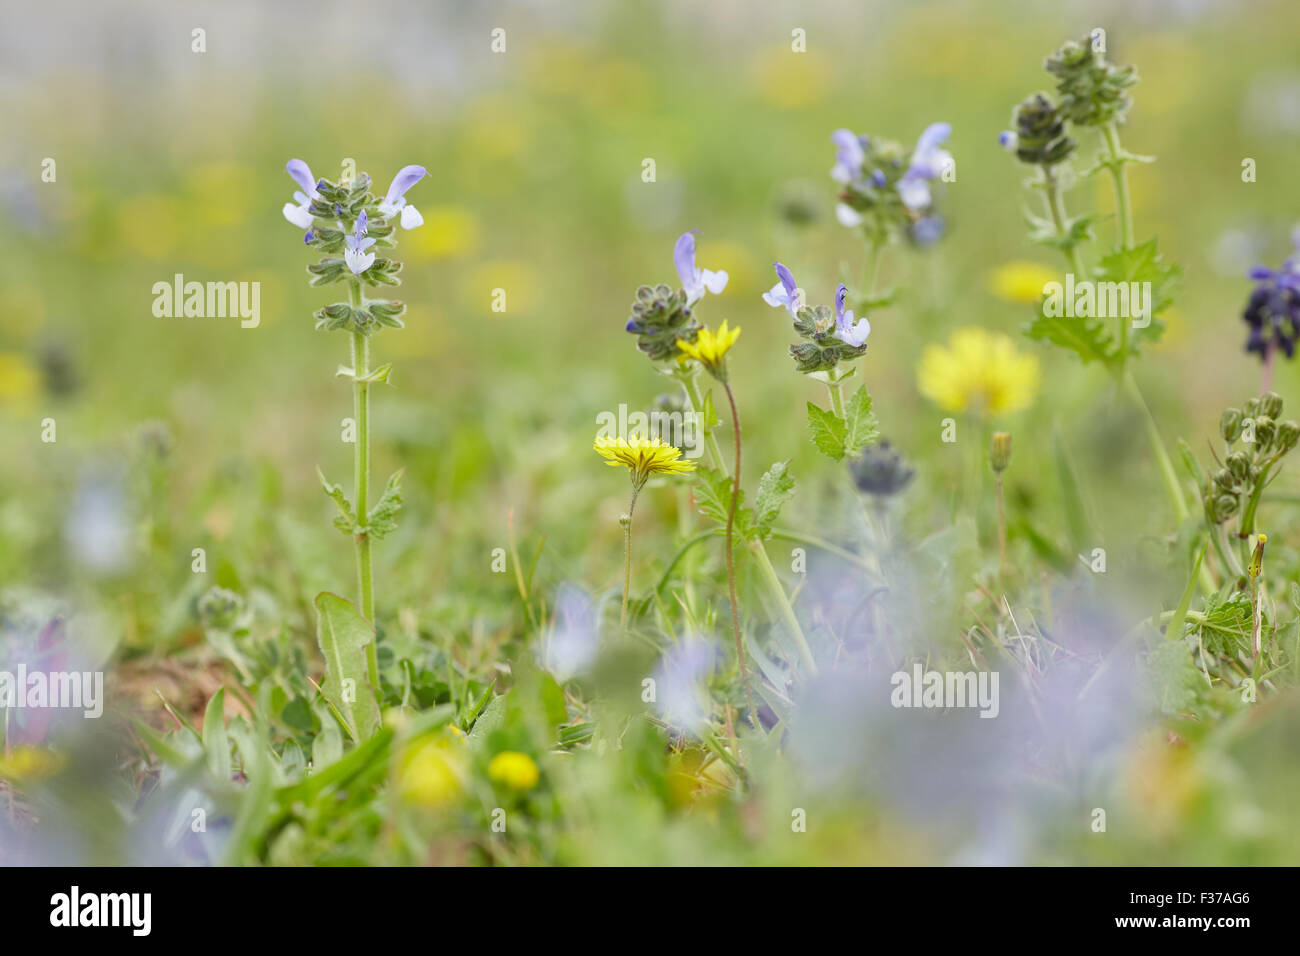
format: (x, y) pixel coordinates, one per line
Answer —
(361, 480)
(1002, 526)
(1123, 205)
(627, 556)
(731, 557)
(836, 390)
(777, 592)
(1056, 208)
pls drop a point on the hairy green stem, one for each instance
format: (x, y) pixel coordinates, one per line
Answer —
(361, 479)
(1123, 205)
(1056, 207)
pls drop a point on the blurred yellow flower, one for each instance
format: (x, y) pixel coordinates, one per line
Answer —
(433, 770)
(790, 80)
(710, 349)
(150, 225)
(516, 770)
(978, 371)
(1021, 281)
(19, 379)
(504, 286)
(449, 232)
(29, 764)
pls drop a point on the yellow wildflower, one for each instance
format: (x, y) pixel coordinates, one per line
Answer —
(19, 379)
(433, 770)
(710, 349)
(29, 764)
(979, 371)
(516, 770)
(643, 457)
(1021, 281)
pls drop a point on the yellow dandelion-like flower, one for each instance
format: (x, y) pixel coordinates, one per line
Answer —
(978, 371)
(643, 457)
(514, 769)
(710, 348)
(1021, 281)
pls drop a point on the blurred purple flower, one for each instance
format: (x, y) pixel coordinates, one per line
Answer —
(850, 154)
(681, 684)
(1273, 310)
(695, 281)
(928, 163)
(575, 637)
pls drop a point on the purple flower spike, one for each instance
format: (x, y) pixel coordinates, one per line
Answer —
(846, 330)
(298, 212)
(695, 281)
(308, 236)
(395, 201)
(785, 294)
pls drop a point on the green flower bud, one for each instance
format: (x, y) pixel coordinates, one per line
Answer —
(1270, 404)
(1238, 466)
(1288, 434)
(659, 318)
(1040, 132)
(1265, 431)
(1223, 480)
(1225, 506)
(1093, 92)
(1000, 451)
(1230, 424)
(1252, 408)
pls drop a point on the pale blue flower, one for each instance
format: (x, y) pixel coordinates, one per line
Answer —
(785, 294)
(695, 281)
(395, 201)
(298, 212)
(356, 256)
(848, 332)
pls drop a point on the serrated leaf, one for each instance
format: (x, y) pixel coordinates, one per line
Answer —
(1143, 263)
(1086, 338)
(828, 431)
(775, 488)
(382, 518)
(861, 427)
(713, 495)
(346, 519)
(343, 635)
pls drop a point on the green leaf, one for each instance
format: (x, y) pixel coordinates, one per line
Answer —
(1044, 232)
(488, 721)
(1143, 263)
(861, 428)
(1174, 631)
(216, 744)
(828, 431)
(713, 494)
(774, 489)
(343, 635)
(1086, 338)
(327, 746)
(382, 518)
(345, 520)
